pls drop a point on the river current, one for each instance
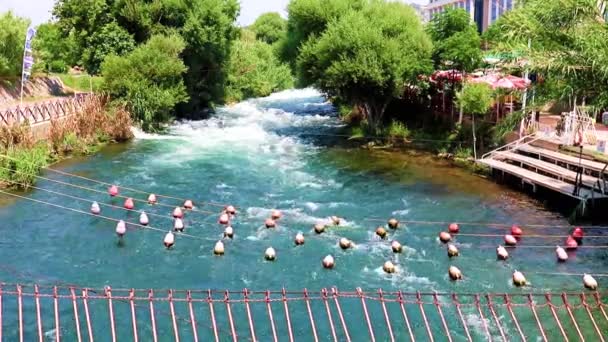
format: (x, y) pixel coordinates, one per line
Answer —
(269, 153)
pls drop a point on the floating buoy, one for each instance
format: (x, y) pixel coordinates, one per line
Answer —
(519, 279)
(328, 262)
(218, 249)
(224, 219)
(178, 225)
(381, 232)
(589, 282)
(516, 231)
(319, 228)
(561, 254)
(152, 199)
(393, 223)
(571, 243)
(129, 204)
(95, 209)
(501, 253)
(578, 234)
(454, 273)
(188, 204)
(230, 210)
(396, 246)
(336, 220)
(229, 232)
(453, 228)
(445, 237)
(178, 213)
(113, 191)
(299, 240)
(270, 254)
(121, 228)
(453, 251)
(169, 240)
(270, 223)
(275, 214)
(510, 240)
(388, 267)
(345, 243)
(143, 219)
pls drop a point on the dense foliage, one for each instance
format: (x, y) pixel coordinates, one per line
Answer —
(12, 36)
(367, 57)
(475, 98)
(148, 80)
(269, 27)
(54, 52)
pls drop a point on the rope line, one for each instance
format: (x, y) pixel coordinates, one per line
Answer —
(488, 224)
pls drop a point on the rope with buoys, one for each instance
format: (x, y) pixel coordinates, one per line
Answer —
(492, 225)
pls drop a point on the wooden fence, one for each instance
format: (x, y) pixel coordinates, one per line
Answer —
(43, 111)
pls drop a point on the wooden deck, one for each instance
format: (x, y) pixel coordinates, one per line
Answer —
(534, 178)
(564, 158)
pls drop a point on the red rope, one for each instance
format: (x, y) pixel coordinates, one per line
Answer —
(76, 319)
(0, 312)
(512, 313)
(270, 317)
(310, 316)
(367, 320)
(405, 318)
(173, 319)
(578, 330)
(133, 316)
(464, 323)
(249, 316)
(483, 319)
(498, 325)
(192, 319)
(212, 312)
(334, 293)
(152, 316)
(597, 299)
(85, 294)
(20, 308)
(38, 315)
(555, 316)
(584, 301)
(56, 305)
(386, 317)
(329, 316)
(232, 328)
(533, 309)
(287, 318)
(108, 293)
(426, 322)
(445, 324)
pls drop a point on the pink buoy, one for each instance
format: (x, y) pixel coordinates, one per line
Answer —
(178, 213)
(188, 204)
(510, 240)
(121, 228)
(578, 234)
(230, 210)
(445, 237)
(276, 214)
(516, 231)
(95, 209)
(224, 219)
(169, 240)
(571, 243)
(270, 223)
(152, 199)
(178, 225)
(113, 191)
(143, 219)
(129, 204)
(453, 228)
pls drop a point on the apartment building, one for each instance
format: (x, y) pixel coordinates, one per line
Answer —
(483, 12)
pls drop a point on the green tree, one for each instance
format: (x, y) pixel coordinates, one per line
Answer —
(367, 58)
(475, 99)
(148, 80)
(56, 53)
(12, 37)
(110, 39)
(270, 27)
(254, 70)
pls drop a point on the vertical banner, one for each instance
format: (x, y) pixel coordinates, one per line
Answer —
(28, 58)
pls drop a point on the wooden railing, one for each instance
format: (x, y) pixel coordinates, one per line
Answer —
(43, 111)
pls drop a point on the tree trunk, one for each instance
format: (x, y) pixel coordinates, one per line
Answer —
(474, 137)
(374, 113)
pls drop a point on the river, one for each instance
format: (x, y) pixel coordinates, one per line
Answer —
(271, 153)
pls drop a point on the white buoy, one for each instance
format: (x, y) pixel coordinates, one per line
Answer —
(328, 262)
(561, 254)
(143, 219)
(169, 240)
(178, 225)
(510, 240)
(270, 254)
(519, 279)
(345, 243)
(218, 249)
(501, 253)
(188, 204)
(229, 232)
(121, 228)
(589, 282)
(230, 210)
(336, 220)
(178, 213)
(396, 246)
(299, 240)
(454, 273)
(95, 209)
(319, 228)
(270, 223)
(452, 251)
(389, 267)
(152, 199)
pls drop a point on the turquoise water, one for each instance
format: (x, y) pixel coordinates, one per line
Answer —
(256, 155)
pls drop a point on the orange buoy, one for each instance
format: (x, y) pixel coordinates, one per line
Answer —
(270, 223)
(129, 204)
(319, 228)
(178, 213)
(396, 246)
(510, 240)
(393, 223)
(178, 225)
(452, 251)
(275, 214)
(152, 199)
(230, 210)
(516, 231)
(169, 240)
(519, 279)
(224, 219)
(95, 209)
(188, 205)
(270, 254)
(453, 228)
(501, 253)
(571, 243)
(113, 191)
(121, 228)
(389, 267)
(381, 232)
(229, 232)
(445, 237)
(345, 243)
(143, 219)
(455, 273)
(299, 240)
(561, 254)
(328, 262)
(578, 234)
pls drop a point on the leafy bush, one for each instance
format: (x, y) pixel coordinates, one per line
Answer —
(23, 165)
(12, 35)
(398, 130)
(269, 27)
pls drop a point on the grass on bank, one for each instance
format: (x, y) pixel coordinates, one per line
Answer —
(81, 83)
